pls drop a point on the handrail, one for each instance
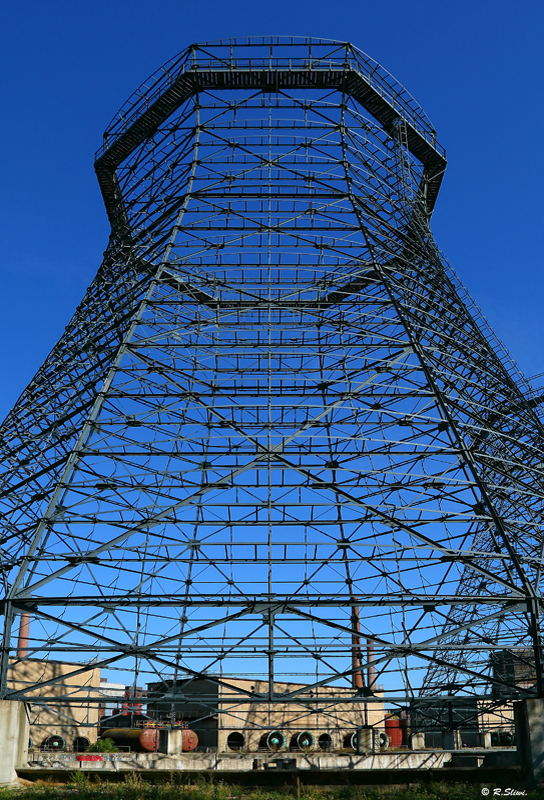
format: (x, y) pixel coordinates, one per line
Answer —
(195, 60)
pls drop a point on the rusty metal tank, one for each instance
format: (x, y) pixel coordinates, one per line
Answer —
(393, 731)
(189, 740)
(140, 740)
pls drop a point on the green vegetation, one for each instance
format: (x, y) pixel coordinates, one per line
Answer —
(88, 786)
(102, 746)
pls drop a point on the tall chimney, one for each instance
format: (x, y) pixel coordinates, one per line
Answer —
(371, 671)
(358, 680)
(24, 630)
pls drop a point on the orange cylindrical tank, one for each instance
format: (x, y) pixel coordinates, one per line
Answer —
(393, 731)
(140, 740)
(189, 740)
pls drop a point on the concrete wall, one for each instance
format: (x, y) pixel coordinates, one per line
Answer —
(247, 762)
(529, 719)
(14, 729)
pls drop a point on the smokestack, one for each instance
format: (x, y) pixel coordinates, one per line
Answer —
(358, 680)
(371, 672)
(24, 631)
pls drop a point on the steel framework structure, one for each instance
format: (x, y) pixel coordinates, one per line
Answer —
(276, 430)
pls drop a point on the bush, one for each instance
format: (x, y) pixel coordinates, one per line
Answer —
(103, 746)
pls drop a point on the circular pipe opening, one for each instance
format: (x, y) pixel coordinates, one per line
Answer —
(235, 740)
(350, 741)
(302, 741)
(275, 741)
(325, 742)
(80, 744)
(54, 743)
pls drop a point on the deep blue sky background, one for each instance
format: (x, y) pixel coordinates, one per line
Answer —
(476, 67)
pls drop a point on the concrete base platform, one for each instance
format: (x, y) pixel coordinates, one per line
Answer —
(14, 730)
(401, 761)
(247, 762)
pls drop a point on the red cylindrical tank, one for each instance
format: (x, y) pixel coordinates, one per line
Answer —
(189, 740)
(140, 740)
(393, 731)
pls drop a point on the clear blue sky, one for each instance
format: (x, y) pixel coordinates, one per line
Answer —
(476, 67)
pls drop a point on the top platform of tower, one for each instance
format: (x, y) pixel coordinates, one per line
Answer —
(269, 64)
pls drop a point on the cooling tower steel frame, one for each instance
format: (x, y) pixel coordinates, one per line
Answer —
(276, 439)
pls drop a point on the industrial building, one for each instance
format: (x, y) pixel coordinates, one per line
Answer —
(225, 718)
(220, 713)
(66, 720)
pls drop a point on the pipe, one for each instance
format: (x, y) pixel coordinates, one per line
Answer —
(24, 632)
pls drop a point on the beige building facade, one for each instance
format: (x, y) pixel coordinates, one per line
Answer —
(71, 718)
(65, 716)
(225, 718)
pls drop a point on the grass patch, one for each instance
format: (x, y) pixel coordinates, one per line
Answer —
(180, 786)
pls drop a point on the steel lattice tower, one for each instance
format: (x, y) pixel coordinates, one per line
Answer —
(275, 431)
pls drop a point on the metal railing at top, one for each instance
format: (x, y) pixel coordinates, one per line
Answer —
(196, 59)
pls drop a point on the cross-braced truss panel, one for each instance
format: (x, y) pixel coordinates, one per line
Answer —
(273, 432)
